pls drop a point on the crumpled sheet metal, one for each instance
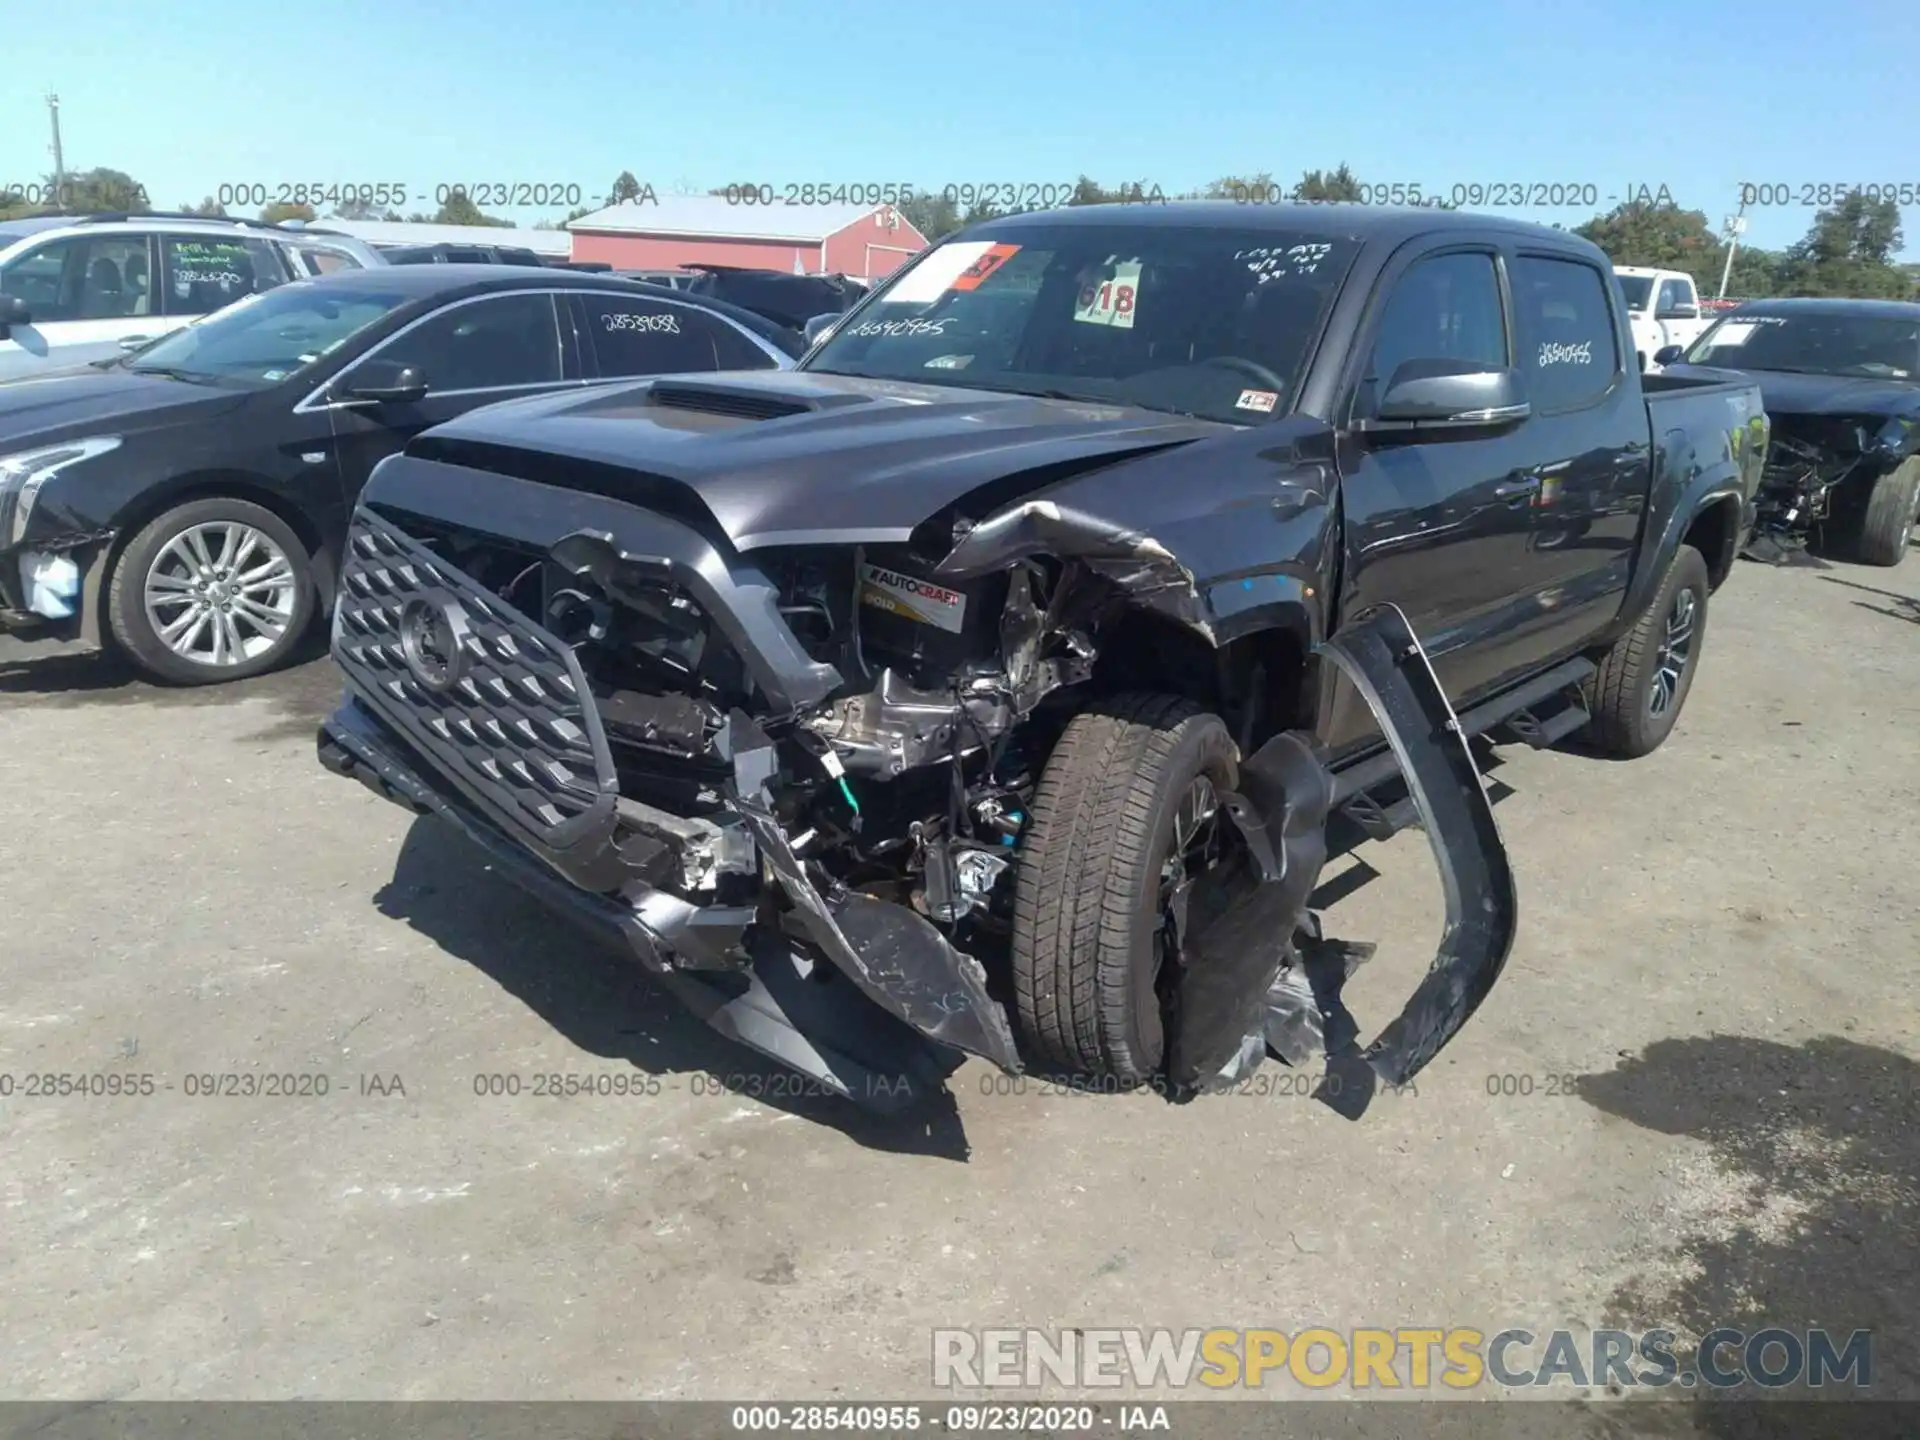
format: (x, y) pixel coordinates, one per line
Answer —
(898, 959)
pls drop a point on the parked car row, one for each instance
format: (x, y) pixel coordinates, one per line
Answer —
(187, 502)
(986, 672)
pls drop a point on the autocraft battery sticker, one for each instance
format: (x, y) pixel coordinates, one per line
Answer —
(913, 598)
(1110, 300)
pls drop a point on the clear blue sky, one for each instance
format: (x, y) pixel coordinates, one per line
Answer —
(188, 94)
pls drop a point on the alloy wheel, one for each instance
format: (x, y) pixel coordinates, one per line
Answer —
(1676, 651)
(220, 593)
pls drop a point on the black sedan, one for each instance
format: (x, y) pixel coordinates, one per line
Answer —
(1841, 380)
(186, 504)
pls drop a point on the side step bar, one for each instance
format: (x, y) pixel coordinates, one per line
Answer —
(1513, 713)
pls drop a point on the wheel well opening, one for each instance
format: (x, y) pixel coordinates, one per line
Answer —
(236, 486)
(1714, 533)
(1258, 684)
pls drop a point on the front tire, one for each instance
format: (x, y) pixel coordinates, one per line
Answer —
(1128, 804)
(213, 590)
(1636, 695)
(1887, 526)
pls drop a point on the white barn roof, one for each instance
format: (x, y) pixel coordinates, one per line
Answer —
(556, 244)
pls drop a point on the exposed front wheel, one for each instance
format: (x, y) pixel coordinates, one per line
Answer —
(1124, 820)
(1642, 682)
(213, 590)
(1886, 528)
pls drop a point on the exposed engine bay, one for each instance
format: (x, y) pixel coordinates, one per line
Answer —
(1819, 471)
(859, 797)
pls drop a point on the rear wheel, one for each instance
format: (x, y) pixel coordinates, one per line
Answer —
(216, 589)
(1642, 682)
(1886, 528)
(1125, 818)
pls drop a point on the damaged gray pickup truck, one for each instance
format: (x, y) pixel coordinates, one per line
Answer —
(993, 681)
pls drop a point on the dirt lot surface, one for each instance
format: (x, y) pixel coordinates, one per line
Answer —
(1691, 1100)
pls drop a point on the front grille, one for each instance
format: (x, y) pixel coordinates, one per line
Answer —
(511, 721)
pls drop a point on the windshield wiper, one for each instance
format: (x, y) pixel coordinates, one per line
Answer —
(173, 372)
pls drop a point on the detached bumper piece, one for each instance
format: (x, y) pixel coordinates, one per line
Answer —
(1302, 1014)
(463, 707)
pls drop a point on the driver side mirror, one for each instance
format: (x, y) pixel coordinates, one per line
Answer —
(1448, 394)
(1679, 312)
(817, 328)
(1668, 354)
(13, 311)
(385, 382)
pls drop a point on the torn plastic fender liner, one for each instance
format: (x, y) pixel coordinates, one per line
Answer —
(897, 958)
(1379, 652)
(1281, 809)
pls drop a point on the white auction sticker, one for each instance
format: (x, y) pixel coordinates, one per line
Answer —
(1734, 332)
(934, 276)
(1110, 301)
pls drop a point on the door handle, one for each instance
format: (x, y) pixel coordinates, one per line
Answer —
(133, 342)
(1520, 487)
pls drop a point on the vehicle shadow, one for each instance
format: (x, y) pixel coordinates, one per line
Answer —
(1801, 1215)
(1904, 607)
(604, 1003)
(305, 689)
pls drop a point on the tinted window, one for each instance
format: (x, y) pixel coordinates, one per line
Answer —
(202, 275)
(1635, 288)
(498, 341)
(1196, 320)
(1446, 308)
(647, 337)
(1675, 292)
(320, 261)
(734, 351)
(1567, 353)
(264, 339)
(86, 277)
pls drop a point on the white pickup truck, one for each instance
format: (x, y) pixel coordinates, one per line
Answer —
(1663, 307)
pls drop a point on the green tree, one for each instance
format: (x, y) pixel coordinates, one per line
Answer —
(359, 208)
(208, 206)
(934, 216)
(1256, 188)
(1328, 185)
(626, 189)
(81, 192)
(1848, 250)
(287, 210)
(1661, 236)
(459, 209)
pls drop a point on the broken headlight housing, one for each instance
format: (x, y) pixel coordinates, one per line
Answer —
(24, 472)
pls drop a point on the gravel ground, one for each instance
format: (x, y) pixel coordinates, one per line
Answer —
(1711, 1003)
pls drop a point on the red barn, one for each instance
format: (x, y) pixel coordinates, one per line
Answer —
(677, 230)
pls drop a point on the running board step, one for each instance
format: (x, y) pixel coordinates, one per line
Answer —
(1529, 729)
(1381, 822)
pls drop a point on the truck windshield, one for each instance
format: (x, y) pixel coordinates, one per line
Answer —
(1636, 288)
(1814, 343)
(265, 338)
(1196, 320)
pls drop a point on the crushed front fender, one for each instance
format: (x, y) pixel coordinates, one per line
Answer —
(1302, 1013)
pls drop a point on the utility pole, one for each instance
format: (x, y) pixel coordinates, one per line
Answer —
(59, 158)
(1736, 226)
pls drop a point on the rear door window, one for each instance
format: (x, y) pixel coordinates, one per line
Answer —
(201, 274)
(635, 336)
(1567, 352)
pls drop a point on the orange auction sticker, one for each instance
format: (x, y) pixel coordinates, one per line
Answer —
(995, 257)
